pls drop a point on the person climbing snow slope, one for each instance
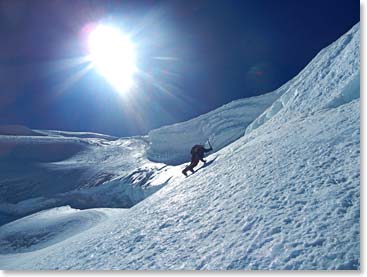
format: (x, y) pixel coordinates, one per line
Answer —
(197, 154)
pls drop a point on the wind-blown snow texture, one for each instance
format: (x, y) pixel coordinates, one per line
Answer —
(283, 196)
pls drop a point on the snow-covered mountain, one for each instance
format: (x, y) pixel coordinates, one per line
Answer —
(282, 191)
(46, 168)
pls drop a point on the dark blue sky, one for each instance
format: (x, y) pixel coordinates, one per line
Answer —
(218, 51)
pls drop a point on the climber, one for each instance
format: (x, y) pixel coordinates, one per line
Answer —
(197, 154)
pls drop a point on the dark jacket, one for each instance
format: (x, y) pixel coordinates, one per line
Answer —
(198, 151)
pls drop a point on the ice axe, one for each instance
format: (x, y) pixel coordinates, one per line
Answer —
(210, 144)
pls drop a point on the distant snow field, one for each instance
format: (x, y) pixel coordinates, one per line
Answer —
(282, 190)
(48, 227)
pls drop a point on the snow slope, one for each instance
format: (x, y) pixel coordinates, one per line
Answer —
(286, 195)
(330, 80)
(46, 228)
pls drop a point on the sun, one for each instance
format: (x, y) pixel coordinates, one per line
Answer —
(113, 55)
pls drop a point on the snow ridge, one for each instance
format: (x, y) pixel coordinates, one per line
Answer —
(320, 84)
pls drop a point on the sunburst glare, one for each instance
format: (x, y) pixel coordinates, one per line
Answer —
(113, 54)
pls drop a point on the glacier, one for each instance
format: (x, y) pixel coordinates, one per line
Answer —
(282, 191)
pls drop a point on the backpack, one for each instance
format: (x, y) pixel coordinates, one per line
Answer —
(195, 149)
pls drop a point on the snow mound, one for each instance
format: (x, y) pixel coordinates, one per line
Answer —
(172, 144)
(46, 228)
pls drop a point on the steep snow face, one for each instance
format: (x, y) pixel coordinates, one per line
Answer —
(172, 144)
(284, 196)
(331, 79)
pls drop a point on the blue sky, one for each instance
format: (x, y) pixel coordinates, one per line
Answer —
(198, 55)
